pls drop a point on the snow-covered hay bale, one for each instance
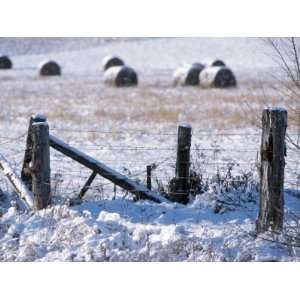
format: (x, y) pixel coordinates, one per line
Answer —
(188, 75)
(111, 61)
(220, 77)
(5, 62)
(120, 76)
(49, 68)
(198, 65)
(218, 63)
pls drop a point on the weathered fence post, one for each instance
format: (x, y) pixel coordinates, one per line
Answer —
(26, 172)
(181, 189)
(272, 153)
(149, 180)
(40, 168)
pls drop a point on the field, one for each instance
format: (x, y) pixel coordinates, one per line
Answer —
(130, 128)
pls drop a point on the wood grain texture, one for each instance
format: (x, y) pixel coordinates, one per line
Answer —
(272, 155)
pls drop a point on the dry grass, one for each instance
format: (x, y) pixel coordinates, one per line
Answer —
(85, 102)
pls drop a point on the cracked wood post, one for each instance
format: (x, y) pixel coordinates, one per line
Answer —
(26, 172)
(182, 172)
(41, 165)
(272, 155)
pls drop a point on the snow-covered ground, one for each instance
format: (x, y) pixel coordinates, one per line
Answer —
(129, 129)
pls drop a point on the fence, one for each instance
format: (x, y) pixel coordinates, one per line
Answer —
(136, 169)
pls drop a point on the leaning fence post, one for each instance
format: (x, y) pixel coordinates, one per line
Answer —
(41, 165)
(26, 172)
(181, 189)
(272, 153)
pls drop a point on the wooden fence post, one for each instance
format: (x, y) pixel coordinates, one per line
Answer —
(181, 189)
(149, 180)
(26, 172)
(40, 165)
(272, 153)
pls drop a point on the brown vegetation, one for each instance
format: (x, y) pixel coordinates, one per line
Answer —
(88, 102)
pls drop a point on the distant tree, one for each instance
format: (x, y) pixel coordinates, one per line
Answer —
(286, 53)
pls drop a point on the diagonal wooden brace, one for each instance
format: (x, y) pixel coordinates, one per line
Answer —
(87, 185)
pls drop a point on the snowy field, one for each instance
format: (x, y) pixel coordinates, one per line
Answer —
(131, 128)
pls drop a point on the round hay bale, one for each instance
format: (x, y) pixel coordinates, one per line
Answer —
(111, 61)
(199, 66)
(179, 75)
(220, 77)
(188, 75)
(121, 76)
(49, 68)
(5, 62)
(218, 63)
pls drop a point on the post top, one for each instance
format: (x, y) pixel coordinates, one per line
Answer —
(38, 123)
(39, 117)
(185, 125)
(276, 109)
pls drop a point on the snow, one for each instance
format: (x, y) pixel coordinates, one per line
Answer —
(185, 125)
(19, 186)
(121, 230)
(128, 129)
(148, 56)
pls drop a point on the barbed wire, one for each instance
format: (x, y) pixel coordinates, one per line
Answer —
(142, 148)
(135, 168)
(126, 131)
(10, 139)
